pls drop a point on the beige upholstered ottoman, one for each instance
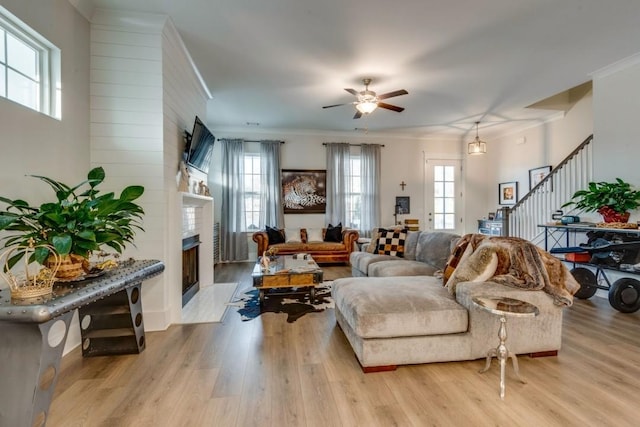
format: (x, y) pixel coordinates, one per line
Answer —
(392, 321)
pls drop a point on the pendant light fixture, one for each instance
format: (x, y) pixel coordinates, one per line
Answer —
(477, 146)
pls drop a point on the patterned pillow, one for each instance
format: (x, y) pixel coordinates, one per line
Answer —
(275, 236)
(391, 242)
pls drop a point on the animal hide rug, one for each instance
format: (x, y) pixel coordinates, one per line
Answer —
(514, 262)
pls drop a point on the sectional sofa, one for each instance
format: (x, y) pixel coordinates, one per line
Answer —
(402, 314)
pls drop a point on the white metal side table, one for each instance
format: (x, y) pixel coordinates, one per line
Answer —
(504, 307)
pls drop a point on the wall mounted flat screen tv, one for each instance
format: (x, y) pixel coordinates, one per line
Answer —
(200, 147)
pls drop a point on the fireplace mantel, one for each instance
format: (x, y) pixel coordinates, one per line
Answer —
(191, 199)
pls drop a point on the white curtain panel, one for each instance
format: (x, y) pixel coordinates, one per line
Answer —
(271, 208)
(233, 241)
(338, 159)
(370, 171)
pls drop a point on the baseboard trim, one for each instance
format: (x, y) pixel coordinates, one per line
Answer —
(372, 369)
(549, 353)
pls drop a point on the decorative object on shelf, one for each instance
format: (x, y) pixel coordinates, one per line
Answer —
(477, 146)
(265, 261)
(183, 177)
(491, 216)
(612, 200)
(33, 280)
(80, 221)
(508, 193)
(304, 191)
(537, 175)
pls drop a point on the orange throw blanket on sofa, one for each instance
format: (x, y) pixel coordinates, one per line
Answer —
(511, 261)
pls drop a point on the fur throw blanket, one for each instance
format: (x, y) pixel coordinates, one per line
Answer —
(514, 262)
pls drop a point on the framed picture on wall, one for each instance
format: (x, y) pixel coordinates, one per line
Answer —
(403, 205)
(508, 193)
(304, 191)
(537, 175)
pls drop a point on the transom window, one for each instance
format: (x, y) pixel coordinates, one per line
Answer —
(29, 67)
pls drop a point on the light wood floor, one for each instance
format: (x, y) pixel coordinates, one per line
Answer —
(267, 372)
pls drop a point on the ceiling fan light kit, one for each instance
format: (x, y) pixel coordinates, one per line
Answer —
(368, 101)
(477, 146)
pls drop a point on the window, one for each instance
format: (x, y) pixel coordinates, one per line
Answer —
(444, 197)
(252, 191)
(354, 194)
(29, 67)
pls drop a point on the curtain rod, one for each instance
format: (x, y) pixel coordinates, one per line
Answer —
(250, 140)
(354, 145)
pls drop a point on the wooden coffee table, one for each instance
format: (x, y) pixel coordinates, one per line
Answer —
(287, 272)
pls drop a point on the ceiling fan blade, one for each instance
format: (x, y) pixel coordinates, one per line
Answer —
(352, 91)
(392, 94)
(336, 105)
(390, 107)
(358, 115)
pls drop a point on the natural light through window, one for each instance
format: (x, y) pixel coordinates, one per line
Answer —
(29, 67)
(354, 198)
(444, 198)
(252, 191)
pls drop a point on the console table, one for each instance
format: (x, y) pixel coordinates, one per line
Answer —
(34, 334)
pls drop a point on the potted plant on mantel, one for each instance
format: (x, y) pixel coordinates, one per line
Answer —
(79, 222)
(612, 200)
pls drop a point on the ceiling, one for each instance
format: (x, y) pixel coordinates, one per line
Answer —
(278, 62)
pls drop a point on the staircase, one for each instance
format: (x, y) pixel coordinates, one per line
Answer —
(572, 174)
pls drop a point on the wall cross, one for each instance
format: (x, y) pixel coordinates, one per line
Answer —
(403, 184)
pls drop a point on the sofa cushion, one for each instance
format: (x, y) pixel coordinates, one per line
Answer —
(314, 235)
(333, 234)
(393, 268)
(391, 242)
(292, 235)
(362, 260)
(275, 235)
(411, 244)
(435, 247)
(406, 306)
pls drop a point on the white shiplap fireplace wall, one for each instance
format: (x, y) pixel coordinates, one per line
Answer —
(145, 91)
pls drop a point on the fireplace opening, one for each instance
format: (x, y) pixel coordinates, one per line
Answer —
(190, 268)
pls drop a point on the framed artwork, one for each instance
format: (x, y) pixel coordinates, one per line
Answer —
(304, 191)
(537, 175)
(508, 193)
(403, 205)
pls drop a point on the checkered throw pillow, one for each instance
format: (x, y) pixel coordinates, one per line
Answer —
(391, 242)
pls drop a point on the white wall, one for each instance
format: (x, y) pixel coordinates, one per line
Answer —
(509, 159)
(616, 105)
(402, 160)
(33, 143)
(144, 94)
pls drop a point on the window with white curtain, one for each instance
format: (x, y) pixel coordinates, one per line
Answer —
(354, 194)
(29, 67)
(252, 191)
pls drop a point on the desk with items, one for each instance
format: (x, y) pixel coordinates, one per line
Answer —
(606, 252)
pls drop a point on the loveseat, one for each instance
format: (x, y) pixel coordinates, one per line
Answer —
(310, 241)
(412, 318)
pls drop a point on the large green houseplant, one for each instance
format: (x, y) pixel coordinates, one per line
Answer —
(612, 200)
(78, 222)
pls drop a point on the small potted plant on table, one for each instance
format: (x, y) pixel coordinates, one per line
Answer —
(78, 222)
(612, 200)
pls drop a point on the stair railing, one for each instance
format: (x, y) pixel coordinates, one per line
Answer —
(537, 206)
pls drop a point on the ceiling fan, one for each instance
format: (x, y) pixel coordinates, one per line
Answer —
(368, 101)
